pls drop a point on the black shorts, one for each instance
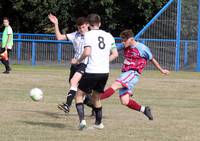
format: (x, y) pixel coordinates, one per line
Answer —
(93, 82)
(77, 68)
(2, 50)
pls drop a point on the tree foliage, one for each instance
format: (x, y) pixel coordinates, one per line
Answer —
(31, 16)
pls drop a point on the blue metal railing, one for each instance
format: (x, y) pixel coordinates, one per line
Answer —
(198, 50)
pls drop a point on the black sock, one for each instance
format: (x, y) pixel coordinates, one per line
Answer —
(70, 97)
(80, 110)
(6, 64)
(98, 115)
(88, 101)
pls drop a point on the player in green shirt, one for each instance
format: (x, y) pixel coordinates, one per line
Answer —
(7, 43)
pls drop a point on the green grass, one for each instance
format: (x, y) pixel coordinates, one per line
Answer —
(174, 99)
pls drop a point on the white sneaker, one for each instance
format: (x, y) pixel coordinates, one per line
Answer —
(82, 125)
(100, 126)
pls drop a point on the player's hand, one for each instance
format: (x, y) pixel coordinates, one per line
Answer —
(4, 55)
(53, 19)
(74, 61)
(166, 72)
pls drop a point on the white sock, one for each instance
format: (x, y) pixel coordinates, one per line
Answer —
(142, 109)
(73, 88)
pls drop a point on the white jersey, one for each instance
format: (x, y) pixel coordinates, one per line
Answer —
(78, 43)
(101, 43)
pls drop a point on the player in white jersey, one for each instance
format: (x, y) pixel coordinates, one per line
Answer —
(100, 49)
(76, 70)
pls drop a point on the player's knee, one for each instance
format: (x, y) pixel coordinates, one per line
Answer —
(124, 101)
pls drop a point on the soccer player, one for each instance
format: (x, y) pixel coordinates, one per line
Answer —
(76, 70)
(136, 56)
(7, 43)
(100, 48)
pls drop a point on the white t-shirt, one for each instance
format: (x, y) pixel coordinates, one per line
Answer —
(101, 43)
(78, 43)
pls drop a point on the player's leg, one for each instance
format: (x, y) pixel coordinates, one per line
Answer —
(85, 86)
(119, 83)
(111, 90)
(98, 110)
(101, 80)
(4, 60)
(76, 72)
(80, 109)
(88, 101)
(74, 83)
(132, 104)
(73, 88)
(71, 94)
(126, 92)
(8, 53)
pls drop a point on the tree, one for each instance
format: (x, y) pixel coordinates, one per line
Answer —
(30, 16)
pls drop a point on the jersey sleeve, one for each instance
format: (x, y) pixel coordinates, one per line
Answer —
(87, 40)
(71, 36)
(146, 53)
(10, 30)
(113, 44)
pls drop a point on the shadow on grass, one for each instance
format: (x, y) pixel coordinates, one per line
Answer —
(56, 115)
(47, 124)
(50, 114)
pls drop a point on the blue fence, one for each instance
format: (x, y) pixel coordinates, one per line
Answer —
(37, 49)
(43, 49)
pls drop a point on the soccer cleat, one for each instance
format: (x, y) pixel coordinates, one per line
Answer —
(64, 107)
(100, 126)
(6, 72)
(82, 125)
(147, 112)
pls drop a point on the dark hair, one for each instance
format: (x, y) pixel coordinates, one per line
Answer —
(5, 18)
(126, 34)
(94, 19)
(81, 20)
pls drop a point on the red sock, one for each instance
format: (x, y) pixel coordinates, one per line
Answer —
(107, 93)
(133, 105)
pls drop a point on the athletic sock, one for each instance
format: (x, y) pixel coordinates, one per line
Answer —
(142, 109)
(134, 105)
(98, 115)
(107, 93)
(70, 96)
(80, 110)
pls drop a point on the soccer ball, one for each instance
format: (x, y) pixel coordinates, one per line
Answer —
(36, 94)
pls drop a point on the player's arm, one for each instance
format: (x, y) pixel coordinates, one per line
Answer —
(113, 54)
(8, 40)
(148, 55)
(54, 20)
(86, 53)
(157, 65)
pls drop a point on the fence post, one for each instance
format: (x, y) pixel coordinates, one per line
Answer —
(186, 53)
(59, 53)
(19, 49)
(198, 49)
(33, 53)
(178, 36)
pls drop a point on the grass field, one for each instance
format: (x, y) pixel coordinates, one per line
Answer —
(175, 103)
